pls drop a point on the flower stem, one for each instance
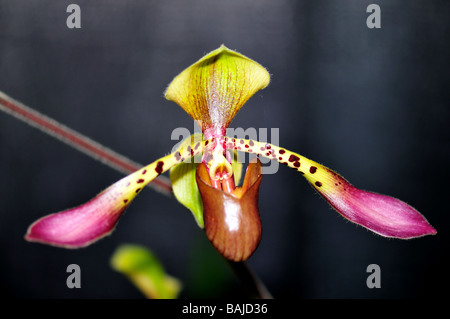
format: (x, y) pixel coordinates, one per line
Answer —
(248, 278)
(78, 141)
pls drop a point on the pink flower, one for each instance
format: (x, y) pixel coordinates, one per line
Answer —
(212, 91)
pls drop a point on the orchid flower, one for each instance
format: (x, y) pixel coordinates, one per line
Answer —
(212, 91)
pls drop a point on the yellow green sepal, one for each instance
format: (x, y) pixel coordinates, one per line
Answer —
(213, 89)
(146, 272)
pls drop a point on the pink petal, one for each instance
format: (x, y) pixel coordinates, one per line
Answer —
(82, 225)
(85, 224)
(381, 214)
(384, 215)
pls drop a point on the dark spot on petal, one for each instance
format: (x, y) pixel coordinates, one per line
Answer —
(280, 158)
(137, 190)
(140, 180)
(293, 158)
(144, 171)
(207, 142)
(251, 143)
(178, 156)
(297, 164)
(246, 146)
(318, 184)
(268, 146)
(312, 169)
(285, 163)
(281, 151)
(159, 167)
(125, 201)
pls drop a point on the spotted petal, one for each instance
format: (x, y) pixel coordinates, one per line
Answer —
(85, 224)
(213, 89)
(384, 215)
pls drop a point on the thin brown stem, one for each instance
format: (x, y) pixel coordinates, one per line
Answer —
(255, 287)
(78, 141)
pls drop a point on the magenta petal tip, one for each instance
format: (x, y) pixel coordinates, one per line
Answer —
(80, 226)
(384, 215)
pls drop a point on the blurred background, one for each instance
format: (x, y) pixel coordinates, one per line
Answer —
(372, 104)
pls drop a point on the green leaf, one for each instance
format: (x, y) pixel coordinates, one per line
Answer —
(237, 168)
(142, 267)
(185, 189)
(184, 185)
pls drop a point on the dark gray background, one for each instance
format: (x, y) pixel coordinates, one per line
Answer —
(372, 104)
